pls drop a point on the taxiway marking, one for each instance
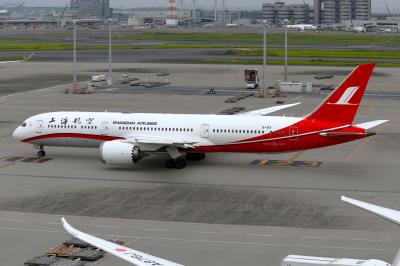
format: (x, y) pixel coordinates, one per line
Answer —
(207, 241)
(156, 229)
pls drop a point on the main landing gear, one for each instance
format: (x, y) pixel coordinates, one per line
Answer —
(195, 156)
(178, 163)
(177, 160)
(41, 153)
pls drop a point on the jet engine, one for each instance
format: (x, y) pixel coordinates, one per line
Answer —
(120, 152)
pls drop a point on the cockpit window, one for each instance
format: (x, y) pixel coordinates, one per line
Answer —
(23, 124)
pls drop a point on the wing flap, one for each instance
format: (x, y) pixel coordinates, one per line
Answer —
(268, 110)
(130, 255)
(389, 214)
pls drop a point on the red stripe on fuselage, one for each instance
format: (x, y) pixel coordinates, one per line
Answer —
(72, 135)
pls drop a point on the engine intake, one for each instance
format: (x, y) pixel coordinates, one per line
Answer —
(120, 153)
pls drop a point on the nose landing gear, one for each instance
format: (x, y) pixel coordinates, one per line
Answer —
(41, 153)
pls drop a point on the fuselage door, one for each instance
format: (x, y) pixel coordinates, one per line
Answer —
(294, 131)
(105, 128)
(205, 131)
(39, 126)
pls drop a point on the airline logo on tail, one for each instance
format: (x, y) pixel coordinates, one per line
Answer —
(347, 95)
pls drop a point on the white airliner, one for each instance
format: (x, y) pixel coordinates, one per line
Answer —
(130, 255)
(125, 138)
(17, 61)
(302, 27)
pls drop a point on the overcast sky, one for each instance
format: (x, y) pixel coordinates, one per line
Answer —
(377, 5)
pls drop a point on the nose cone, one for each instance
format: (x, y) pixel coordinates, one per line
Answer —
(16, 134)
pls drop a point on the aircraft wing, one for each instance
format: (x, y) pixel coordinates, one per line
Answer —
(389, 214)
(17, 61)
(152, 140)
(130, 255)
(268, 110)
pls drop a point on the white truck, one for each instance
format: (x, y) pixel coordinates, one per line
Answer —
(297, 260)
(99, 78)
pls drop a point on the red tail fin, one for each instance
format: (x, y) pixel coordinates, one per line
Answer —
(342, 104)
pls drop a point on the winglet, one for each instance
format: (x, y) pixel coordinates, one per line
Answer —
(135, 257)
(389, 214)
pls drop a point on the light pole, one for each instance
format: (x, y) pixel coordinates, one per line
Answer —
(74, 69)
(109, 80)
(286, 53)
(264, 86)
(215, 11)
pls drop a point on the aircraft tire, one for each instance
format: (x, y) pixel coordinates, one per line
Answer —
(41, 154)
(195, 156)
(170, 164)
(180, 163)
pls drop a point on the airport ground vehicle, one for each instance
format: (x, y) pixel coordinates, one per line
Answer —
(126, 138)
(297, 260)
(251, 78)
(99, 78)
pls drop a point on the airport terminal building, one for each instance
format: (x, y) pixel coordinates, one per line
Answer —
(91, 8)
(338, 11)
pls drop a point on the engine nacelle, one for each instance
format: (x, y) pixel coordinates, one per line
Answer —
(119, 152)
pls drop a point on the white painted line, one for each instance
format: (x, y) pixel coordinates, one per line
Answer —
(106, 226)
(12, 220)
(253, 243)
(205, 232)
(312, 237)
(211, 241)
(156, 229)
(369, 240)
(30, 229)
(258, 235)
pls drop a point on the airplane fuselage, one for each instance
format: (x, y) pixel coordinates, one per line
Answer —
(209, 133)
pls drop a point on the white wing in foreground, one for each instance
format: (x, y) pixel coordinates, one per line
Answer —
(268, 110)
(130, 255)
(391, 215)
(17, 61)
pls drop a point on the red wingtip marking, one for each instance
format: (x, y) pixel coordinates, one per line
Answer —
(120, 250)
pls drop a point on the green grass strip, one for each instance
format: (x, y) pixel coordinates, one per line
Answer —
(275, 38)
(371, 54)
(294, 62)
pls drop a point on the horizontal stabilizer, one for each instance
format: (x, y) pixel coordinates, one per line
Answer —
(371, 124)
(269, 110)
(391, 215)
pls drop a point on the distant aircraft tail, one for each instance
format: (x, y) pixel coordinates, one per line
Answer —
(342, 104)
